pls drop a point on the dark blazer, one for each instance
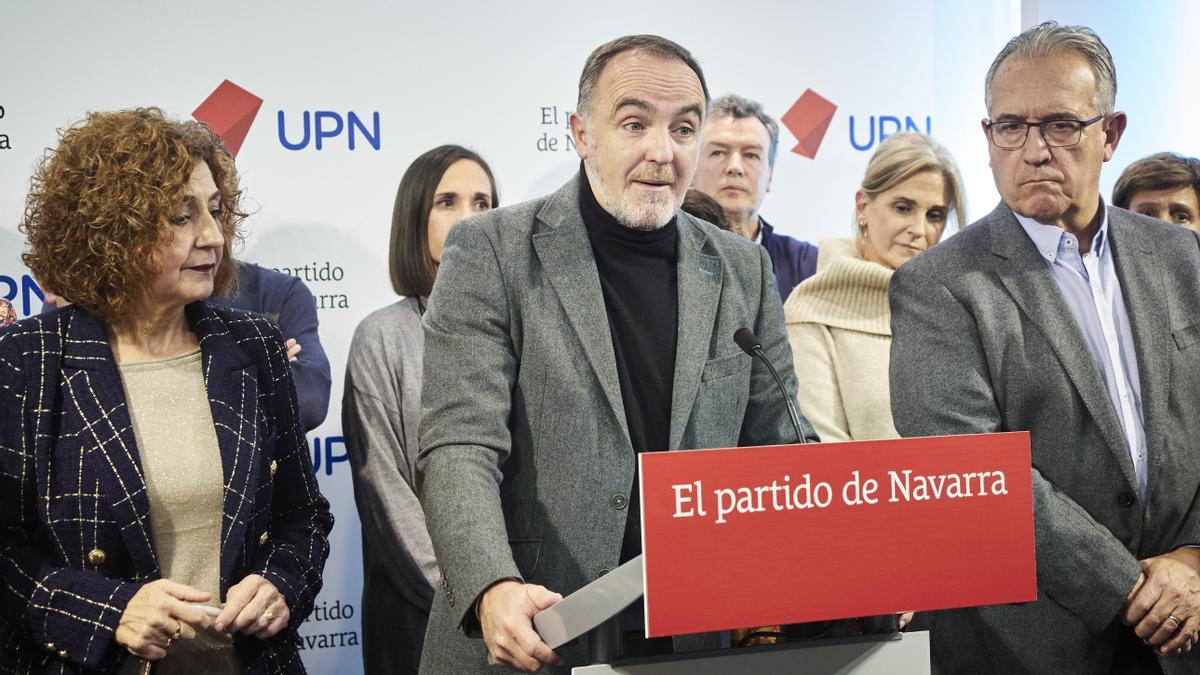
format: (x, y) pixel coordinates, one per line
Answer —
(75, 542)
(983, 341)
(288, 302)
(793, 260)
(525, 451)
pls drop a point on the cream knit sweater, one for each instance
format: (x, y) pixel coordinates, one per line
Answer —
(839, 326)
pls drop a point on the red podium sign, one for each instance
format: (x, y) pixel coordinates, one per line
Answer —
(792, 533)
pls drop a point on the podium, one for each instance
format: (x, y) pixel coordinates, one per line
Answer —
(785, 535)
(898, 654)
(594, 608)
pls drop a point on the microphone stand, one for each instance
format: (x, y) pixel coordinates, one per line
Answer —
(791, 407)
(749, 343)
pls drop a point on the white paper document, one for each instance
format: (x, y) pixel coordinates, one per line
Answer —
(591, 605)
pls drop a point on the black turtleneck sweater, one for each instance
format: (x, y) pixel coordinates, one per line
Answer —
(638, 279)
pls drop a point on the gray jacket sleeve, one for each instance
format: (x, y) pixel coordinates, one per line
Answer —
(470, 371)
(767, 421)
(941, 385)
(1189, 534)
(384, 487)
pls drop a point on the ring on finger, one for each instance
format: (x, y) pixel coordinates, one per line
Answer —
(267, 617)
(178, 631)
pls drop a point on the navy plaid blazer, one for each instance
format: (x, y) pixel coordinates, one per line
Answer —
(75, 542)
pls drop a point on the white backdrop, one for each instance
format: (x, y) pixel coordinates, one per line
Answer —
(481, 74)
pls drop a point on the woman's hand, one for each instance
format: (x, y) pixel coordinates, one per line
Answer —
(158, 614)
(253, 607)
(293, 348)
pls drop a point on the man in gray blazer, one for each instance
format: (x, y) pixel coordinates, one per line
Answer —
(1081, 324)
(566, 334)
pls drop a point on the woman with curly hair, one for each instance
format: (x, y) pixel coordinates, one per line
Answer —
(157, 502)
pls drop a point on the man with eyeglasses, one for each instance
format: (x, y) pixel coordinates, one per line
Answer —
(1079, 323)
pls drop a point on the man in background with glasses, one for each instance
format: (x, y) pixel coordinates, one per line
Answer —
(1079, 323)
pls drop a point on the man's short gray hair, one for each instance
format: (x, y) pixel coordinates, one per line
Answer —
(1049, 38)
(652, 44)
(738, 107)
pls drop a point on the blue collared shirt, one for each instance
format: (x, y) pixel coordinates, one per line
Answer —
(1092, 291)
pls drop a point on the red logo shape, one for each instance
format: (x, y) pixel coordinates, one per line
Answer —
(229, 111)
(808, 119)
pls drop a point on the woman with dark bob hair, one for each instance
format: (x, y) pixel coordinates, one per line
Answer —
(381, 407)
(157, 501)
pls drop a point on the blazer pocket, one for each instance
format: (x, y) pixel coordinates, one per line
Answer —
(725, 366)
(1186, 337)
(526, 552)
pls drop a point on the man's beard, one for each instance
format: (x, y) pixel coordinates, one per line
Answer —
(644, 215)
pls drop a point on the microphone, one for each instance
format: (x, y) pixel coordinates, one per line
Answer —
(750, 344)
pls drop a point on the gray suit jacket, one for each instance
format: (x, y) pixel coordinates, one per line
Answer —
(525, 456)
(983, 342)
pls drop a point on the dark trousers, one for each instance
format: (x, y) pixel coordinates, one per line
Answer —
(393, 632)
(1133, 657)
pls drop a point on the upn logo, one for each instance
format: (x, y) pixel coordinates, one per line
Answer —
(809, 117)
(325, 454)
(322, 125)
(23, 292)
(882, 126)
(230, 111)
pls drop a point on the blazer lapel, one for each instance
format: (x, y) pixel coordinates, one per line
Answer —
(232, 385)
(1142, 285)
(699, 280)
(94, 388)
(566, 257)
(1033, 288)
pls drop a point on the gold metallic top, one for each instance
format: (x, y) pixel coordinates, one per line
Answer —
(181, 463)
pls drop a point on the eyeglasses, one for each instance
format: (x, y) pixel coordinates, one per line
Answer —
(1012, 134)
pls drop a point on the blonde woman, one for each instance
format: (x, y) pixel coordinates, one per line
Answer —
(838, 320)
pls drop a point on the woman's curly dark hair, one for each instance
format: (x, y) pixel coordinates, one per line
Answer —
(99, 206)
